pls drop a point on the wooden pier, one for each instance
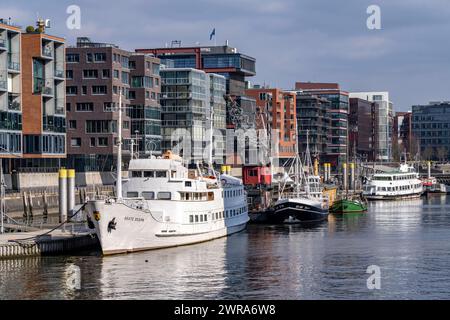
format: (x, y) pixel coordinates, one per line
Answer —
(35, 243)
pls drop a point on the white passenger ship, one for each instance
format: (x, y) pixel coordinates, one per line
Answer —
(401, 184)
(163, 204)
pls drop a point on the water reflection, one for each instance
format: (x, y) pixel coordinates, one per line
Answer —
(409, 240)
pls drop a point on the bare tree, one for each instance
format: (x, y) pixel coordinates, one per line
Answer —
(442, 153)
(427, 154)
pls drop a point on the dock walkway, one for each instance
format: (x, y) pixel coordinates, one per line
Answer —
(34, 243)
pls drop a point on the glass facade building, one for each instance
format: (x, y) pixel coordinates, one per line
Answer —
(431, 128)
(383, 122)
(187, 96)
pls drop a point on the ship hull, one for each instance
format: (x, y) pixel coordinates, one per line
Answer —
(121, 229)
(297, 210)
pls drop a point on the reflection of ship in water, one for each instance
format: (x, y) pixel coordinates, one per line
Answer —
(190, 272)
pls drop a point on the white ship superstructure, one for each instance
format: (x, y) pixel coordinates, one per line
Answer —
(164, 204)
(401, 184)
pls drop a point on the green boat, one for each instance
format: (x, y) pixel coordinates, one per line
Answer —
(348, 206)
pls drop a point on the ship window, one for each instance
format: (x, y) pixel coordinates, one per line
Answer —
(191, 218)
(136, 174)
(201, 218)
(205, 217)
(164, 195)
(161, 174)
(132, 194)
(196, 218)
(188, 184)
(188, 196)
(210, 196)
(149, 174)
(148, 195)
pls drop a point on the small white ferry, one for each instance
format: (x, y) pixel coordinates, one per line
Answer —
(163, 204)
(403, 183)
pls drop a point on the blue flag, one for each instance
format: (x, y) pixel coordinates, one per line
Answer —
(213, 33)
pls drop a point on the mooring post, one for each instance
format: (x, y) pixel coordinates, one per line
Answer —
(62, 195)
(70, 191)
(345, 177)
(45, 212)
(30, 206)
(25, 205)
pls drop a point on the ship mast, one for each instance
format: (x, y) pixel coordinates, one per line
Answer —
(119, 151)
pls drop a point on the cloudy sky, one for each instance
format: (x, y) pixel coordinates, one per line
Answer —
(292, 40)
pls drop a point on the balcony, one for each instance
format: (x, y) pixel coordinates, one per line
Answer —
(47, 91)
(176, 95)
(59, 106)
(47, 52)
(169, 81)
(2, 44)
(13, 101)
(3, 85)
(59, 74)
(13, 66)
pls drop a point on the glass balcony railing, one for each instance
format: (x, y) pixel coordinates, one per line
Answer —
(13, 65)
(47, 91)
(47, 52)
(59, 73)
(59, 106)
(13, 102)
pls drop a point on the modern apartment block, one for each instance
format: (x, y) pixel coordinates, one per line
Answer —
(277, 108)
(188, 98)
(43, 99)
(145, 109)
(96, 74)
(313, 117)
(10, 92)
(223, 60)
(402, 137)
(338, 112)
(361, 131)
(383, 122)
(431, 127)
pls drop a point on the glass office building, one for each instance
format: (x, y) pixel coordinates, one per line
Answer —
(431, 128)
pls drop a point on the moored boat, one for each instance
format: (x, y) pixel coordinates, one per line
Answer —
(348, 206)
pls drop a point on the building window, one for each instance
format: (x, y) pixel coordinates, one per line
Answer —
(100, 57)
(89, 57)
(116, 74)
(105, 73)
(84, 90)
(92, 142)
(90, 74)
(68, 107)
(101, 126)
(126, 125)
(85, 106)
(72, 124)
(72, 58)
(69, 74)
(132, 64)
(75, 142)
(102, 142)
(125, 77)
(132, 95)
(71, 90)
(99, 90)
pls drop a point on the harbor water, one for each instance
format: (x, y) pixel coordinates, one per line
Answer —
(408, 240)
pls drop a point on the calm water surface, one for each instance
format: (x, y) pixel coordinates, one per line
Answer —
(408, 240)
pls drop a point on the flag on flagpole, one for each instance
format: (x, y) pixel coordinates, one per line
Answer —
(213, 33)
